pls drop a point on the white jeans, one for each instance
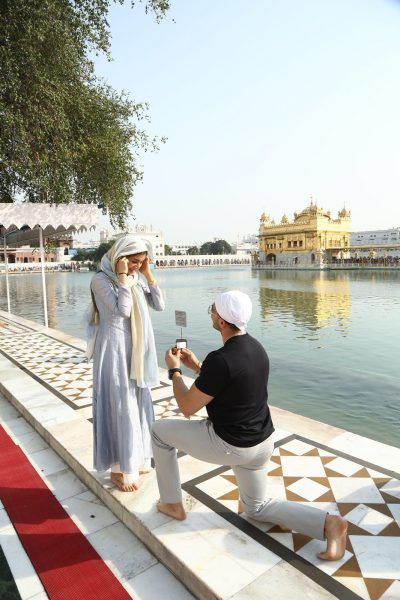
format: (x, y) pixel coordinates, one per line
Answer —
(198, 439)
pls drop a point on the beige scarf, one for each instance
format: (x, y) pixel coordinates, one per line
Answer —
(137, 365)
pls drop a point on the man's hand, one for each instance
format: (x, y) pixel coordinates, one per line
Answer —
(173, 361)
(190, 360)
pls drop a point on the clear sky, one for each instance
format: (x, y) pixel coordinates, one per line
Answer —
(264, 103)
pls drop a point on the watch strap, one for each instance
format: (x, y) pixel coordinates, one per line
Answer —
(172, 371)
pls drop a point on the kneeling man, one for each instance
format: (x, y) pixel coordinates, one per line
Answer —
(232, 385)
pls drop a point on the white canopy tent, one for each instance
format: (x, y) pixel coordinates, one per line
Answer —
(62, 218)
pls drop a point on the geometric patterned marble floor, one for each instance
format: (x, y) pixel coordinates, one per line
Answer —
(300, 470)
(63, 369)
(305, 472)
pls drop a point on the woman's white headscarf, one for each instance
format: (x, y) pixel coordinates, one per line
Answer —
(125, 245)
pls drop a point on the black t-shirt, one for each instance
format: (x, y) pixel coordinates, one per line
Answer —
(236, 376)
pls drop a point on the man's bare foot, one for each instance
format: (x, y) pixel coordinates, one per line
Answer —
(176, 511)
(118, 480)
(336, 535)
(145, 470)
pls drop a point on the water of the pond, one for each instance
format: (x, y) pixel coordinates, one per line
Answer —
(332, 337)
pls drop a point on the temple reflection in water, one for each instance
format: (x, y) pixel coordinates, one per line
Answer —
(313, 299)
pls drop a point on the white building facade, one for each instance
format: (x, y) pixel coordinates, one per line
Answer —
(377, 243)
(246, 248)
(153, 236)
(182, 248)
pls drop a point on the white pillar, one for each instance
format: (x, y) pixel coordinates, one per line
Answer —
(7, 282)
(46, 320)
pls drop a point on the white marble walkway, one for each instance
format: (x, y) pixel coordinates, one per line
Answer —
(215, 552)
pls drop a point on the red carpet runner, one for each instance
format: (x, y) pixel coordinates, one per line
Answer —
(68, 566)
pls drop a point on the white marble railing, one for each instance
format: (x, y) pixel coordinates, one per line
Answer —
(201, 260)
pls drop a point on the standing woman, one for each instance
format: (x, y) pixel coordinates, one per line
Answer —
(121, 341)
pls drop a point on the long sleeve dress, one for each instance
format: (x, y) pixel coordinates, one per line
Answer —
(122, 412)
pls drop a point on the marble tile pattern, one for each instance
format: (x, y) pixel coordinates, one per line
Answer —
(62, 367)
(299, 471)
(66, 370)
(367, 498)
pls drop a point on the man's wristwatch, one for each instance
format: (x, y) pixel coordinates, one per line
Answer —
(172, 371)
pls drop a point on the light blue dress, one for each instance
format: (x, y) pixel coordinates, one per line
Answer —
(122, 412)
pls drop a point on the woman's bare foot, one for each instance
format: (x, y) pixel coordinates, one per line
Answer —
(145, 467)
(118, 480)
(176, 511)
(336, 535)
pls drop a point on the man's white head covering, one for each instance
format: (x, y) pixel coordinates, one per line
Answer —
(234, 307)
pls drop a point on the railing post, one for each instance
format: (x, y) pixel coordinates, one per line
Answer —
(46, 320)
(7, 281)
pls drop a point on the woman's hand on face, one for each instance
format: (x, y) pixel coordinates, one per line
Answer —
(123, 266)
(145, 268)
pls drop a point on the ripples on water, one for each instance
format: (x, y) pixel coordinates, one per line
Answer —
(332, 337)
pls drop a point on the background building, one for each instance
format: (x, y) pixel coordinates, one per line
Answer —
(153, 236)
(246, 246)
(378, 243)
(182, 248)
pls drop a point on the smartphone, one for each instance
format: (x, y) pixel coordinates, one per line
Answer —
(181, 343)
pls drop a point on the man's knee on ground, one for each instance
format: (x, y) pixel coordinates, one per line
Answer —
(252, 509)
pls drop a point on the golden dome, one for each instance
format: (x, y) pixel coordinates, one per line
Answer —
(344, 214)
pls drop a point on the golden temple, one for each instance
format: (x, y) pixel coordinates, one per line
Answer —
(313, 238)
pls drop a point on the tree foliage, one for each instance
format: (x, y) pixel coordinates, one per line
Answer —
(217, 247)
(222, 247)
(101, 250)
(206, 248)
(65, 135)
(83, 255)
(193, 250)
(167, 250)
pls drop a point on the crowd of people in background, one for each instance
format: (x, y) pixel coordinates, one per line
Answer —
(49, 268)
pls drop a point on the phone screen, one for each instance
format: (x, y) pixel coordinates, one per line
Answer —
(181, 343)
